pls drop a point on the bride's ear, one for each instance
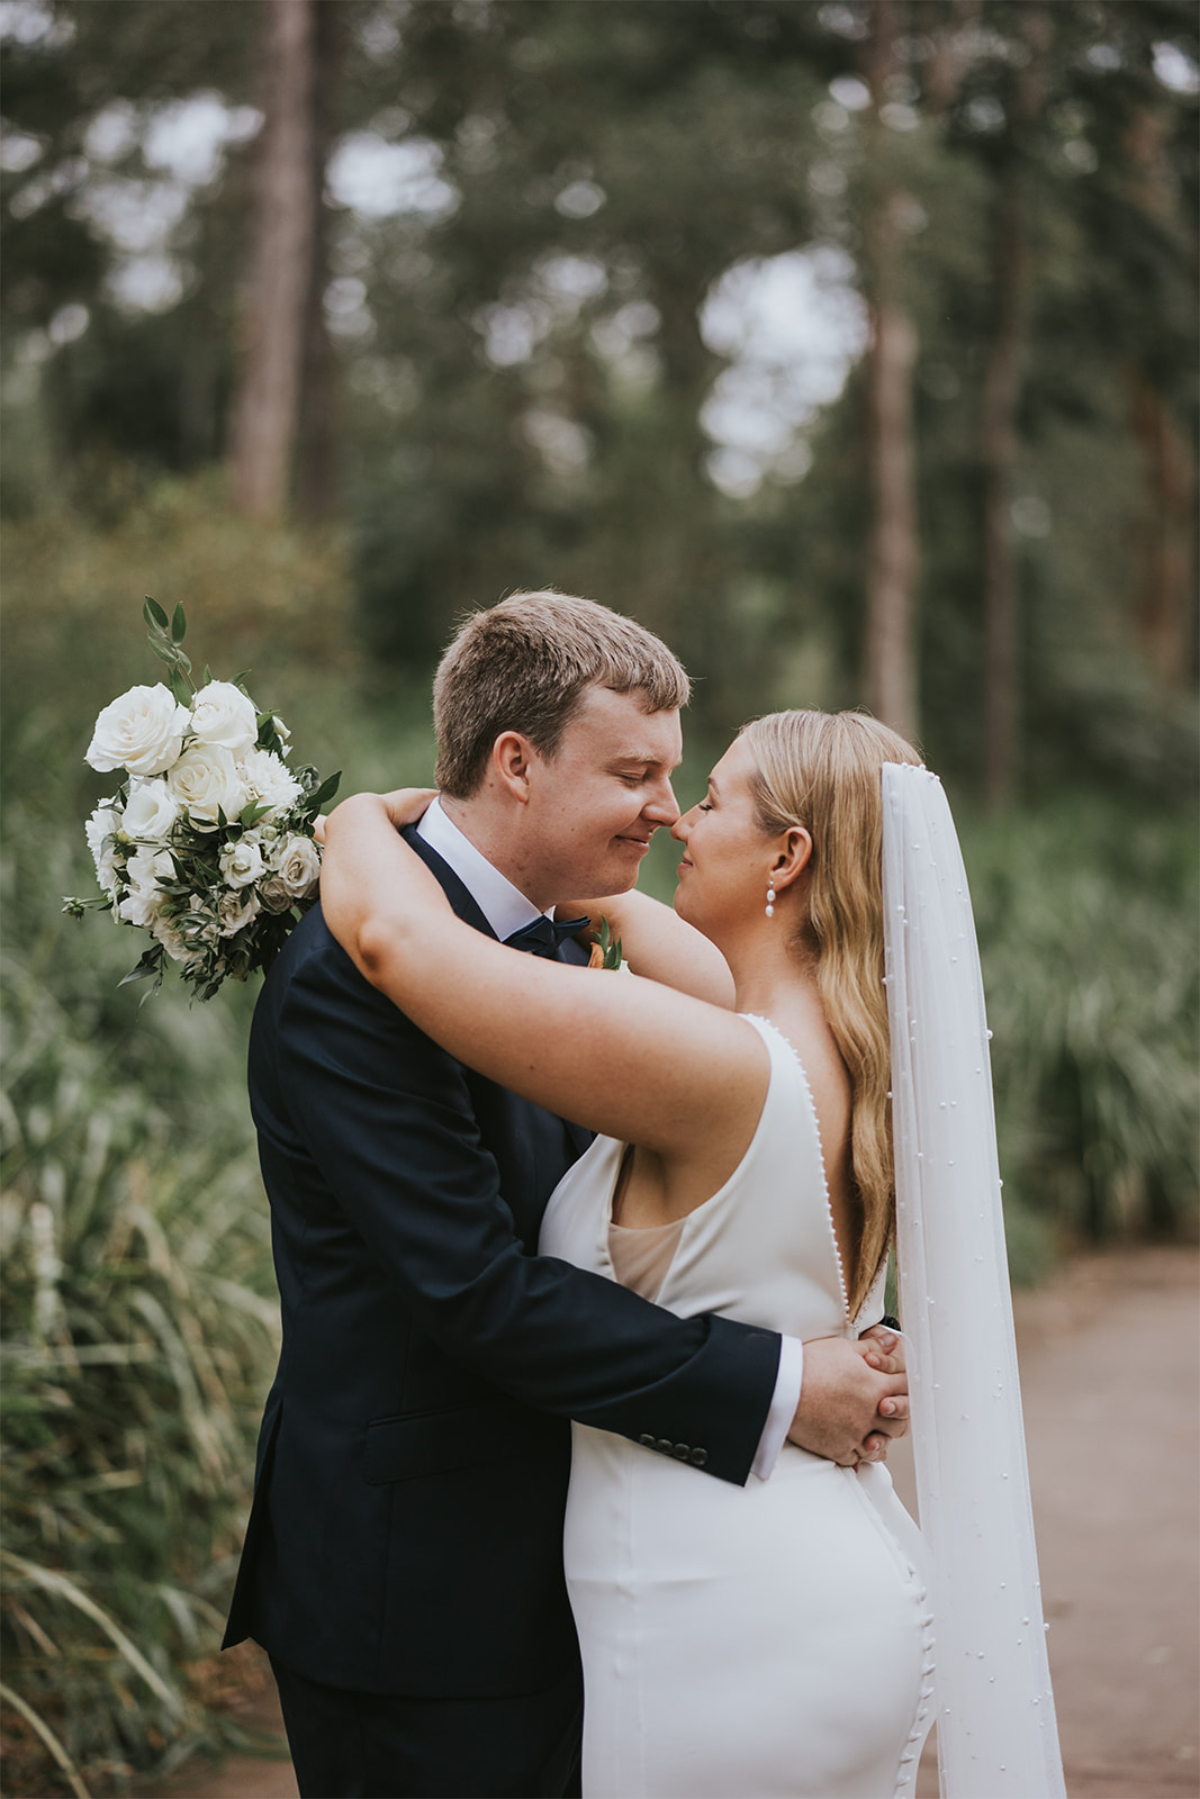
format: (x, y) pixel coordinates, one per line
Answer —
(792, 857)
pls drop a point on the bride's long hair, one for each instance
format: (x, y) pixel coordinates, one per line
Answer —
(822, 770)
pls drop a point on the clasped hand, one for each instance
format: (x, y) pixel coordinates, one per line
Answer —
(854, 1397)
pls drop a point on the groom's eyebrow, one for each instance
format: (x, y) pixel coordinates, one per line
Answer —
(646, 760)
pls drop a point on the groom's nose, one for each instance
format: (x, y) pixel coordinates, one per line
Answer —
(661, 808)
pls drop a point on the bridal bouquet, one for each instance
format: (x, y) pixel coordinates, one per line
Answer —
(208, 843)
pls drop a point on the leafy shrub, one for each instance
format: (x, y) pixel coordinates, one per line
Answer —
(1086, 918)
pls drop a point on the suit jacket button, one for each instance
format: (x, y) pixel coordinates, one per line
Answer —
(665, 1446)
(681, 1452)
(698, 1458)
(648, 1442)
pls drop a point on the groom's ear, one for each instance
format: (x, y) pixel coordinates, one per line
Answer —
(511, 761)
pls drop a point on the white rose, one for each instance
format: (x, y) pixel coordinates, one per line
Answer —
(142, 731)
(269, 782)
(236, 910)
(151, 811)
(241, 862)
(104, 823)
(173, 941)
(274, 895)
(297, 864)
(143, 901)
(205, 780)
(222, 714)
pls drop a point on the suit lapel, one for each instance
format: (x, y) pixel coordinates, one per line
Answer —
(460, 896)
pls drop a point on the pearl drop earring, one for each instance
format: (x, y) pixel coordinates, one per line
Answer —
(770, 899)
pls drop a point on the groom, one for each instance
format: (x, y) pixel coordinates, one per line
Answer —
(402, 1562)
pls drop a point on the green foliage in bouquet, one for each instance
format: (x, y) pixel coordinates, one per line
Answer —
(208, 843)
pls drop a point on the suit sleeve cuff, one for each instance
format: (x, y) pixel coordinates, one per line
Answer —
(783, 1406)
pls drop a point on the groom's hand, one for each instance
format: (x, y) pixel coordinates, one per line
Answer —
(854, 1397)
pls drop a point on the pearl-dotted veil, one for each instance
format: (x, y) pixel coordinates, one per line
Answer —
(997, 1737)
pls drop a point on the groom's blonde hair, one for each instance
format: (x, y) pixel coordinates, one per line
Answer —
(525, 665)
(823, 771)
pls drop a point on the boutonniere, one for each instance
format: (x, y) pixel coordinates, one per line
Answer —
(606, 951)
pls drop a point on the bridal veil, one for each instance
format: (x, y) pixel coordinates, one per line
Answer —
(997, 1737)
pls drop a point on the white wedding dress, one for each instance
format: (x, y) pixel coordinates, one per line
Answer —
(741, 1642)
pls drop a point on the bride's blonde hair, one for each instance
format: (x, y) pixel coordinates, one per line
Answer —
(822, 770)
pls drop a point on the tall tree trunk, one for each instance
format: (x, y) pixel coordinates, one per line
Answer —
(1163, 612)
(1012, 270)
(890, 672)
(317, 470)
(953, 32)
(998, 445)
(267, 405)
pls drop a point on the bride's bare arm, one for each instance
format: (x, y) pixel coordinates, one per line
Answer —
(660, 946)
(630, 1058)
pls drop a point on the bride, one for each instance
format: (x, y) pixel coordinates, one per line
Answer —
(776, 1639)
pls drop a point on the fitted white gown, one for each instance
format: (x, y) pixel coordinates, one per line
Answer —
(742, 1642)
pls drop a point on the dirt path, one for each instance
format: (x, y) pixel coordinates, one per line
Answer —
(1109, 1370)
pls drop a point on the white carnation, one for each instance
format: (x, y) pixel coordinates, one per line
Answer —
(242, 862)
(222, 714)
(269, 782)
(142, 731)
(205, 781)
(297, 865)
(151, 811)
(237, 910)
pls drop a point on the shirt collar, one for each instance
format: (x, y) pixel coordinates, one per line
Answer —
(504, 906)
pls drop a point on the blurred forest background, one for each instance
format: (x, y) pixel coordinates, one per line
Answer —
(850, 346)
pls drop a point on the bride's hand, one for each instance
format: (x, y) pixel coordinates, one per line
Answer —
(406, 805)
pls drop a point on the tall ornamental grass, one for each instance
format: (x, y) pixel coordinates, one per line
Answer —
(139, 1330)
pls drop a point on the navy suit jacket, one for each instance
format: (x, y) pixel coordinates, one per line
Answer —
(412, 1468)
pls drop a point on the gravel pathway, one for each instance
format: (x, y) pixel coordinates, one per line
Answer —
(1109, 1360)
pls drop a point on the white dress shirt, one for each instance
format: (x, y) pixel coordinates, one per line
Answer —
(507, 910)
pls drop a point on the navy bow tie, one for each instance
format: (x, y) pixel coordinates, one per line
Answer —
(544, 935)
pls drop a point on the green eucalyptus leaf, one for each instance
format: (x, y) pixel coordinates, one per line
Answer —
(178, 625)
(153, 614)
(324, 793)
(179, 688)
(150, 964)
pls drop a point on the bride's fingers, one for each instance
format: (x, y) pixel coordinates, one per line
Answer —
(894, 1408)
(874, 1448)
